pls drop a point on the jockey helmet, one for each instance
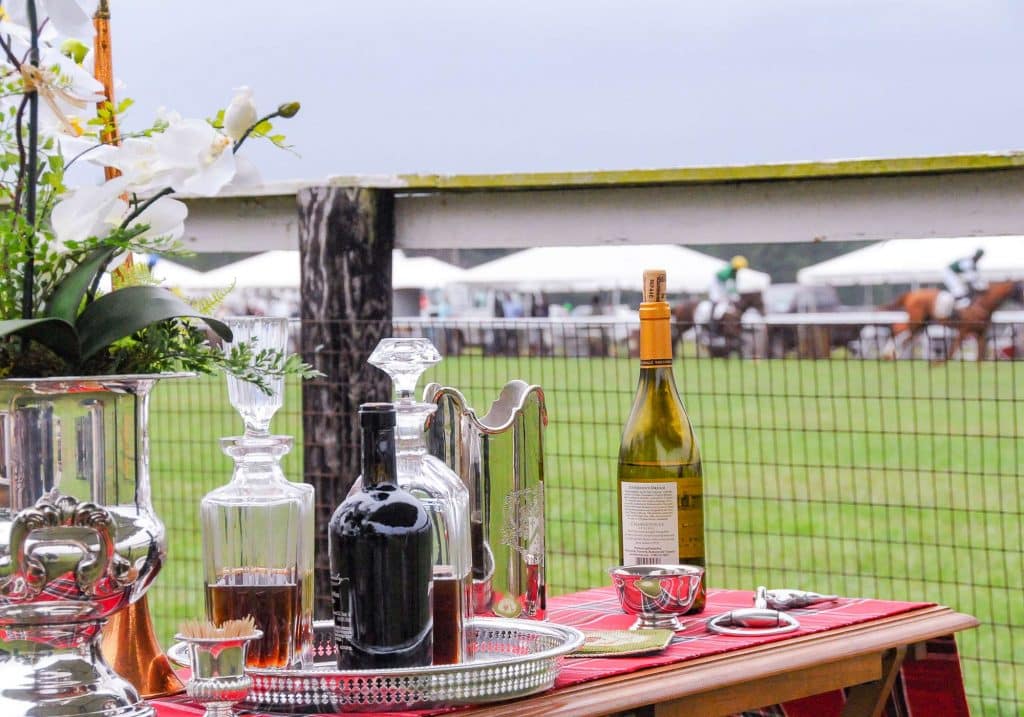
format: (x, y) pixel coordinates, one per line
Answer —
(978, 253)
(739, 262)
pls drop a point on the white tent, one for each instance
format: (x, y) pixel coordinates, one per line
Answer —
(908, 261)
(178, 276)
(606, 267)
(422, 272)
(269, 270)
(280, 269)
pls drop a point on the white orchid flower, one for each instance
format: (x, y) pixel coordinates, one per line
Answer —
(68, 90)
(65, 89)
(138, 160)
(72, 79)
(70, 18)
(89, 211)
(199, 158)
(189, 156)
(241, 113)
(95, 211)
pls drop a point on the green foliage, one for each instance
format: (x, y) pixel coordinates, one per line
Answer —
(53, 318)
(265, 129)
(107, 115)
(208, 304)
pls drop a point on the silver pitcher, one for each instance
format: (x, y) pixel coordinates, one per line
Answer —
(79, 539)
(501, 459)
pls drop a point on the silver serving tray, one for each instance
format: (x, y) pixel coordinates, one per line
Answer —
(512, 658)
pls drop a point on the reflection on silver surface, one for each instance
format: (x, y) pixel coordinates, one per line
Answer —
(78, 538)
(500, 457)
(511, 658)
(784, 599)
(218, 671)
(657, 594)
(754, 621)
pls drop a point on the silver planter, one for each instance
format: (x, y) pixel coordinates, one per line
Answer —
(500, 457)
(79, 539)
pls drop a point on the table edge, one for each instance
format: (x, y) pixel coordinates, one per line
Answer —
(693, 677)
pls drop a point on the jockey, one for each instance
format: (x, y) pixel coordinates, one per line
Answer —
(962, 276)
(722, 291)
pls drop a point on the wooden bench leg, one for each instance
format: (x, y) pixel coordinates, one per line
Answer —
(868, 699)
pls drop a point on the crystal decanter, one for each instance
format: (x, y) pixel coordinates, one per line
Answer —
(258, 529)
(438, 488)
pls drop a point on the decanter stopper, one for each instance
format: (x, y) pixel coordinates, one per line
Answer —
(256, 406)
(404, 360)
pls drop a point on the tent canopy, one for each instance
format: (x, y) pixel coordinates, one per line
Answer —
(907, 261)
(606, 267)
(178, 276)
(281, 269)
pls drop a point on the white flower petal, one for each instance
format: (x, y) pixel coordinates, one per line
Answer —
(138, 160)
(212, 178)
(185, 144)
(71, 147)
(89, 211)
(71, 18)
(166, 219)
(71, 77)
(246, 174)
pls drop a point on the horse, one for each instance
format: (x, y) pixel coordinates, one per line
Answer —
(973, 320)
(682, 318)
(729, 328)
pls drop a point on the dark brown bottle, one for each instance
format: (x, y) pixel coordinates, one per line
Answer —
(381, 561)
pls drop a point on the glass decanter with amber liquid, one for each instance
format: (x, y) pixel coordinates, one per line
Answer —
(258, 529)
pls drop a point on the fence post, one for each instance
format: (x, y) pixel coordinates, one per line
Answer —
(346, 235)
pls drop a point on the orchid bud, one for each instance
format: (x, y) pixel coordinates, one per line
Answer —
(240, 114)
(76, 50)
(288, 109)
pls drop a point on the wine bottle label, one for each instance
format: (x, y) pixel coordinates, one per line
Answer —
(342, 613)
(662, 521)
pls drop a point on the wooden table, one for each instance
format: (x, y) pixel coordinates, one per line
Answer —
(867, 656)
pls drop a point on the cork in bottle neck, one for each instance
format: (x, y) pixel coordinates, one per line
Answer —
(654, 285)
(655, 330)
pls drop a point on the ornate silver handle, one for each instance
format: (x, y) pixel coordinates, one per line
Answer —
(98, 571)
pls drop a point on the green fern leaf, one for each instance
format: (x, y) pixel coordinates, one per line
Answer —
(207, 304)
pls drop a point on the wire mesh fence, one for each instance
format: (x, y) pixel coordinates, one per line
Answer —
(895, 479)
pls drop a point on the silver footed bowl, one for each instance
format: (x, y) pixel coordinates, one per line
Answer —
(657, 594)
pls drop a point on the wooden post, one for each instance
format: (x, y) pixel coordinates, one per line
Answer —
(345, 240)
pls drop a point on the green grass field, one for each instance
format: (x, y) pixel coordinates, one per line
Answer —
(890, 480)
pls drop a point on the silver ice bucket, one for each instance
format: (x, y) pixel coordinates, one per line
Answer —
(79, 539)
(500, 457)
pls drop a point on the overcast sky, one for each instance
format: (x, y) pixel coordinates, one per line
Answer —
(533, 85)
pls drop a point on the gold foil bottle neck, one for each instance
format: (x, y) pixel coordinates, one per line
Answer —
(654, 285)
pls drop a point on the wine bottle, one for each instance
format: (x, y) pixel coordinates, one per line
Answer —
(381, 554)
(660, 486)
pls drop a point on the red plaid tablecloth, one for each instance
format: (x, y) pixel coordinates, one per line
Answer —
(928, 686)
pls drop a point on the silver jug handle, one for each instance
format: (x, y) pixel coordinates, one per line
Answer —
(511, 402)
(98, 572)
